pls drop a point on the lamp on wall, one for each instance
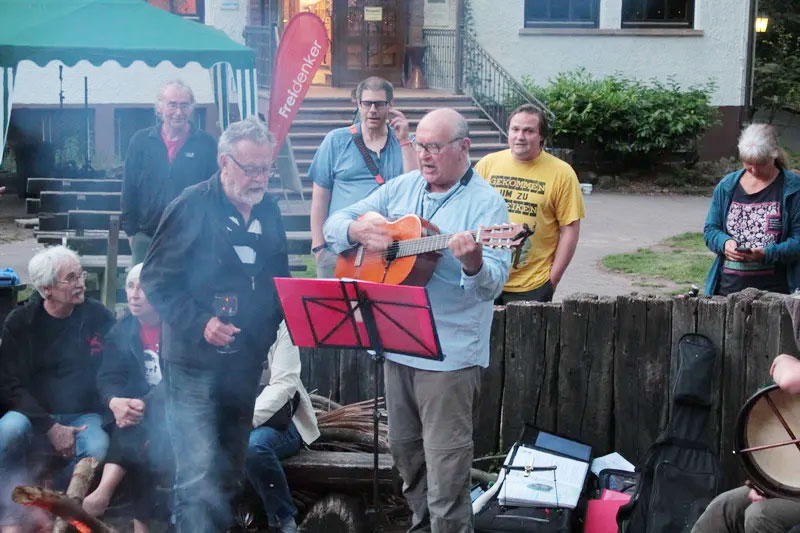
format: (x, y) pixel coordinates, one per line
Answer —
(761, 24)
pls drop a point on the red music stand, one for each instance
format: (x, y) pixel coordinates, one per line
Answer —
(347, 313)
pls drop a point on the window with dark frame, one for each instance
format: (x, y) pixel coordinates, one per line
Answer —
(657, 13)
(561, 13)
(191, 9)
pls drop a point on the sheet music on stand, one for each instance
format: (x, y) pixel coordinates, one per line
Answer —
(560, 487)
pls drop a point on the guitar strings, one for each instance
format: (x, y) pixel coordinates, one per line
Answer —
(417, 246)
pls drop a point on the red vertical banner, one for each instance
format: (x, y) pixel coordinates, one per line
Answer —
(302, 48)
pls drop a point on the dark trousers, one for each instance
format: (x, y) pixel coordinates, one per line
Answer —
(209, 416)
(539, 294)
(146, 455)
(734, 512)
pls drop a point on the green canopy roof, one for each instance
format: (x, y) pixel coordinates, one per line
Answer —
(110, 30)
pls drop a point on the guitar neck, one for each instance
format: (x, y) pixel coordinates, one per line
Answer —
(423, 245)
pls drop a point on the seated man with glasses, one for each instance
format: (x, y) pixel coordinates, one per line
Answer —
(162, 161)
(341, 173)
(49, 357)
(430, 403)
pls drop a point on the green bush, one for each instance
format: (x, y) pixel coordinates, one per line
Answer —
(626, 119)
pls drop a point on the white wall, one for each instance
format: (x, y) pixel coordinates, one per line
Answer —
(719, 51)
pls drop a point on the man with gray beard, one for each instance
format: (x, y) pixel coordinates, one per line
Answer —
(209, 273)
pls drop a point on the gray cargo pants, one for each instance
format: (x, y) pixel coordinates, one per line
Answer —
(430, 437)
(734, 512)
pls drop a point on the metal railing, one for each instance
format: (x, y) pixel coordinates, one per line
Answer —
(490, 85)
(263, 41)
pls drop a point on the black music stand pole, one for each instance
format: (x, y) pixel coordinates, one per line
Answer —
(368, 316)
(353, 314)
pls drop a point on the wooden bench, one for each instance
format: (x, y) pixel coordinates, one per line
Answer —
(63, 201)
(37, 185)
(337, 470)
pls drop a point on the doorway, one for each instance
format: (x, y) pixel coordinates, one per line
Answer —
(323, 9)
(368, 40)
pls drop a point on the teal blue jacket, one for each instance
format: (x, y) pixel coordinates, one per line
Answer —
(784, 252)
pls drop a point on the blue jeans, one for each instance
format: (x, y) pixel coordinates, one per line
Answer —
(19, 444)
(264, 471)
(209, 415)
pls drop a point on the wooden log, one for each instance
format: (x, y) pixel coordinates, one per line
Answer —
(684, 320)
(585, 371)
(524, 369)
(641, 373)
(60, 505)
(322, 469)
(547, 409)
(364, 438)
(486, 425)
(734, 393)
(323, 403)
(711, 316)
(79, 485)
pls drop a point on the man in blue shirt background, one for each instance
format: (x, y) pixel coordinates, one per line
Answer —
(340, 173)
(430, 403)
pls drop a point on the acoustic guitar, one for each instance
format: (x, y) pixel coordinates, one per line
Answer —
(415, 250)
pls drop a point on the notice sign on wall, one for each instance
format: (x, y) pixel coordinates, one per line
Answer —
(373, 14)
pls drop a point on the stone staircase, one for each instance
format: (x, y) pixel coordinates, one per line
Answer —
(319, 115)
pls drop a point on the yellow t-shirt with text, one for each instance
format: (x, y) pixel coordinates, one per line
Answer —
(545, 194)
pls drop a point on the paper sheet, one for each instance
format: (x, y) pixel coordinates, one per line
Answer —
(612, 460)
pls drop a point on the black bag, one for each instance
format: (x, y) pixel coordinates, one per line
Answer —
(680, 472)
(495, 518)
(283, 416)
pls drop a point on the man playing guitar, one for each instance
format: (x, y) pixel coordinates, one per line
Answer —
(431, 403)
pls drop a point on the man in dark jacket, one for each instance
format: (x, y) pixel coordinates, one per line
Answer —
(222, 238)
(161, 162)
(49, 357)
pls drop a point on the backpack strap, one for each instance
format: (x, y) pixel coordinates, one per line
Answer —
(359, 140)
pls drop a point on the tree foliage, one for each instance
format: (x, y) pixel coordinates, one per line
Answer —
(776, 83)
(626, 119)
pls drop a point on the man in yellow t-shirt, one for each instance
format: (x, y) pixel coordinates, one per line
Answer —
(542, 191)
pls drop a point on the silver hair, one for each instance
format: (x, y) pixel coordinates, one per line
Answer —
(178, 84)
(759, 144)
(250, 128)
(134, 273)
(43, 267)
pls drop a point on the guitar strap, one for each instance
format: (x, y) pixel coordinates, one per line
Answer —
(373, 168)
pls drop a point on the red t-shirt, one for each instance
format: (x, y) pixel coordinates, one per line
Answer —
(151, 345)
(173, 146)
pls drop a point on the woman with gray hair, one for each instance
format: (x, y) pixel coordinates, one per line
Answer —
(129, 383)
(753, 224)
(49, 358)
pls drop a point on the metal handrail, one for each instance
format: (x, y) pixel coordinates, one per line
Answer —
(494, 90)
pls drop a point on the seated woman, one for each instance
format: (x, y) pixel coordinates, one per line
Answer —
(283, 419)
(129, 381)
(744, 509)
(49, 358)
(753, 224)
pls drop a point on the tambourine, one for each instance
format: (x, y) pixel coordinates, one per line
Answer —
(766, 441)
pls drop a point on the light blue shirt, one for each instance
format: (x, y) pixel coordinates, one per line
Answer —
(340, 167)
(462, 305)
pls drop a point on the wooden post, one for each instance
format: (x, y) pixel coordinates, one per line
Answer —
(110, 274)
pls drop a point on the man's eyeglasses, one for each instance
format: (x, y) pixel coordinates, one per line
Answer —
(183, 106)
(432, 148)
(73, 278)
(379, 104)
(251, 172)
